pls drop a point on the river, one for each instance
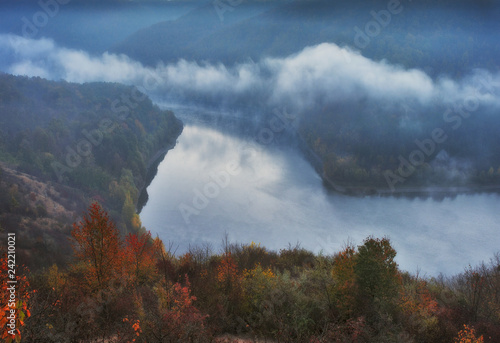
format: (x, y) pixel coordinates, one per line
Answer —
(214, 182)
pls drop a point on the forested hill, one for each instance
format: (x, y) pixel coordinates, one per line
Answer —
(441, 37)
(63, 145)
(363, 145)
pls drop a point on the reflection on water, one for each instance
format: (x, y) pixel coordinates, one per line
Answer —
(212, 183)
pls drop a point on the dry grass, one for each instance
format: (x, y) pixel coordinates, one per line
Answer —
(39, 193)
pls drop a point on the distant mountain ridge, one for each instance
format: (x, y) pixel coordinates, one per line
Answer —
(423, 34)
(95, 26)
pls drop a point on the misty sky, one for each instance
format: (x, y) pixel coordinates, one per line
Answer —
(316, 76)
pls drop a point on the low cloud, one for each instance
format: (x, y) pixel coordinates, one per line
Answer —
(315, 77)
(328, 72)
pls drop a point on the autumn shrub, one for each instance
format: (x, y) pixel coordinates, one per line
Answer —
(165, 262)
(249, 255)
(171, 316)
(47, 322)
(468, 335)
(318, 284)
(97, 248)
(418, 310)
(186, 265)
(294, 259)
(288, 311)
(258, 285)
(345, 288)
(229, 286)
(139, 256)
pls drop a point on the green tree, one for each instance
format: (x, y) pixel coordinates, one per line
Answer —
(377, 276)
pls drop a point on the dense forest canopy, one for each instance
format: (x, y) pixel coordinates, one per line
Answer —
(63, 144)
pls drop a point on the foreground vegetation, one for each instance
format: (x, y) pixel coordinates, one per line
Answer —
(134, 289)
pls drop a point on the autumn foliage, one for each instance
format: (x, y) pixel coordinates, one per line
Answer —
(227, 272)
(19, 311)
(174, 316)
(131, 288)
(97, 247)
(468, 335)
(140, 257)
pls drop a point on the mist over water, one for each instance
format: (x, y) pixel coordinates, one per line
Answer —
(275, 198)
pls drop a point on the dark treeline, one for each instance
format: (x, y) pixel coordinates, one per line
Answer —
(368, 146)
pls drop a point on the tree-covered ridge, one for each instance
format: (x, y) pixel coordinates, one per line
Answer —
(135, 289)
(362, 149)
(40, 117)
(74, 143)
(441, 37)
(363, 144)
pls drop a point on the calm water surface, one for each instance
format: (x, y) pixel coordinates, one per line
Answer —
(213, 182)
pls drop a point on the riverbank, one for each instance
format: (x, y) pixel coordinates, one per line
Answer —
(152, 170)
(414, 191)
(435, 192)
